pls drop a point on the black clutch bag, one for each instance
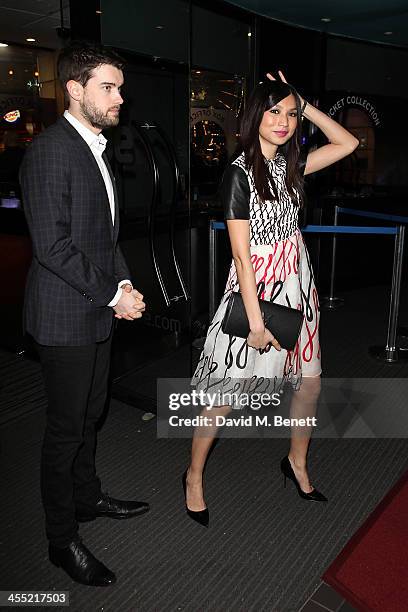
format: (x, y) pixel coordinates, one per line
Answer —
(283, 322)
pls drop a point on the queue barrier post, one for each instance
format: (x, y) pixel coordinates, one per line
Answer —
(212, 269)
(331, 302)
(397, 345)
(391, 353)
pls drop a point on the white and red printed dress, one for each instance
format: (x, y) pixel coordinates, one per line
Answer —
(280, 259)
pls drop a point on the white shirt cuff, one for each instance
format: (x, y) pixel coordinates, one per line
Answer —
(125, 282)
(118, 293)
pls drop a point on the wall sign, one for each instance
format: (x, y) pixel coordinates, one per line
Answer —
(12, 116)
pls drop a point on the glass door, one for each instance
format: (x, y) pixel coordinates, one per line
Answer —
(217, 101)
(150, 159)
(149, 154)
(179, 124)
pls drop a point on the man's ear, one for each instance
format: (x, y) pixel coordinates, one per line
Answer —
(75, 90)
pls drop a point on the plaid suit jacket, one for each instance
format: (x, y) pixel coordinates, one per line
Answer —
(77, 262)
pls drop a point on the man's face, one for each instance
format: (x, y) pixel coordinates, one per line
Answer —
(101, 99)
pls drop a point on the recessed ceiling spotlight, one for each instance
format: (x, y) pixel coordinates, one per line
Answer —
(11, 72)
(159, 27)
(249, 33)
(198, 71)
(388, 33)
(3, 44)
(326, 19)
(98, 12)
(30, 40)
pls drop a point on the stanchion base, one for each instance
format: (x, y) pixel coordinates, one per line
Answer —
(387, 356)
(402, 338)
(331, 303)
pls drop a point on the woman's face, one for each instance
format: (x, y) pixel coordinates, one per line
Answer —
(279, 122)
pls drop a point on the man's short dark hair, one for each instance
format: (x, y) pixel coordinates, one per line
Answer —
(77, 61)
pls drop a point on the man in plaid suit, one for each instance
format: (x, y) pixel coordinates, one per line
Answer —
(77, 284)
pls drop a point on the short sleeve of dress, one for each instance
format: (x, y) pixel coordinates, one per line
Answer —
(235, 193)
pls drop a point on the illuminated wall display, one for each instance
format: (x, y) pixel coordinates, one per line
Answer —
(12, 116)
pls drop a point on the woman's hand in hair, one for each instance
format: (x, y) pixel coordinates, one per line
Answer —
(283, 79)
(272, 78)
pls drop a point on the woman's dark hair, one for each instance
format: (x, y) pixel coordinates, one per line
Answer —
(264, 97)
(77, 61)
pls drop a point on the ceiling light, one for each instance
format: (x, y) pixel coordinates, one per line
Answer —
(3, 44)
(36, 73)
(98, 12)
(159, 27)
(249, 33)
(30, 40)
(198, 71)
(326, 19)
(388, 33)
(11, 72)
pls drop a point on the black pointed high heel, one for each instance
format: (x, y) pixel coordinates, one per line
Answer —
(288, 472)
(201, 516)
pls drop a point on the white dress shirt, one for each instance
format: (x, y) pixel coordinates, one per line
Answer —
(97, 144)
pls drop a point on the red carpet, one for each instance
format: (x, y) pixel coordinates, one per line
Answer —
(371, 572)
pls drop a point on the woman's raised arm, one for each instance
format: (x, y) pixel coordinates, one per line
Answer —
(341, 141)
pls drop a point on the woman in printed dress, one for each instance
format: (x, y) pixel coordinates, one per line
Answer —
(262, 191)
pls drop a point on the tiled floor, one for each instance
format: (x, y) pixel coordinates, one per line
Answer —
(326, 598)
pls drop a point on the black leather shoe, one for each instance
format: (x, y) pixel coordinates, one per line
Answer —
(80, 564)
(113, 508)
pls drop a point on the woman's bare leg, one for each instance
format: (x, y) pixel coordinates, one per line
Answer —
(203, 439)
(303, 405)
